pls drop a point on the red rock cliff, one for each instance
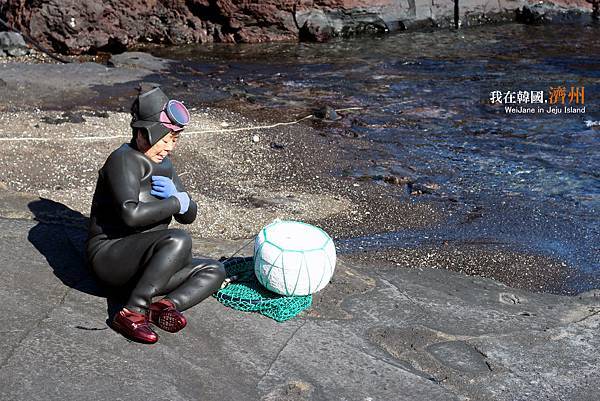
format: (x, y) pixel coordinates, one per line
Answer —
(77, 26)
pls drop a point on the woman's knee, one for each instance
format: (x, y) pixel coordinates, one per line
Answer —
(178, 240)
(220, 272)
(214, 269)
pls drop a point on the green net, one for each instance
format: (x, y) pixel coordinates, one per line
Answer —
(246, 294)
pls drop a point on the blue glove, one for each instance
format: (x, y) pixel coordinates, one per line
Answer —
(163, 187)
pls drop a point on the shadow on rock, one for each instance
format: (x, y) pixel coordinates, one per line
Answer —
(60, 236)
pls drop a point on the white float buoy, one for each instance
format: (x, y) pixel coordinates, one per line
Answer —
(293, 258)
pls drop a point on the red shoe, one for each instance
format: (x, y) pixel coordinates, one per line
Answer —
(134, 325)
(163, 314)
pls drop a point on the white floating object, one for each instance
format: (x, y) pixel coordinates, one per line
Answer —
(293, 258)
(255, 139)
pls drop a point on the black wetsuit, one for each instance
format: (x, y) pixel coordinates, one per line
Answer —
(129, 242)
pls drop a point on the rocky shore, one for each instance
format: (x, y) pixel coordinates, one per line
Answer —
(243, 169)
(396, 324)
(376, 332)
(89, 26)
(244, 179)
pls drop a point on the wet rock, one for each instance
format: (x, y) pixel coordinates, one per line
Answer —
(543, 13)
(389, 179)
(398, 180)
(316, 28)
(527, 15)
(2, 54)
(322, 26)
(422, 188)
(595, 9)
(327, 113)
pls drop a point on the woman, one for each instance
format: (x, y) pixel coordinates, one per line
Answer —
(129, 243)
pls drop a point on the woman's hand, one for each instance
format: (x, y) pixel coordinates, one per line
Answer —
(163, 187)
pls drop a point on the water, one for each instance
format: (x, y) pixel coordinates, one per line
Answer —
(531, 181)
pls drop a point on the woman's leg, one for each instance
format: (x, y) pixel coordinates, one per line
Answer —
(194, 283)
(170, 255)
(148, 259)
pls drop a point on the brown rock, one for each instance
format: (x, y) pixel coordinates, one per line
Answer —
(80, 26)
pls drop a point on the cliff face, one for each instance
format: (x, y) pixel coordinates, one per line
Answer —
(78, 26)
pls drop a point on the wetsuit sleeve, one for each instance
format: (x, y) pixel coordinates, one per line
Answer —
(189, 216)
(123, 175)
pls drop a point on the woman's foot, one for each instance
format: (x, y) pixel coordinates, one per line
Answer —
(163, 314)
(134, 325)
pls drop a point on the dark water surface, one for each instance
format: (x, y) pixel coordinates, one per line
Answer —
(530, 182)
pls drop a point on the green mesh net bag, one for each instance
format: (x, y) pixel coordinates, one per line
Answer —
(245, 293)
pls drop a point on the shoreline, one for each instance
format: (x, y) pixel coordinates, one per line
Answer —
(291, 172)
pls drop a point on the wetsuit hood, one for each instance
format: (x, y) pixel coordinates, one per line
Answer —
(145, 114)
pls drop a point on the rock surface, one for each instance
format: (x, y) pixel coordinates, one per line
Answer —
(13, 44)
(375, 332)
(400, 330)
(89, 26)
